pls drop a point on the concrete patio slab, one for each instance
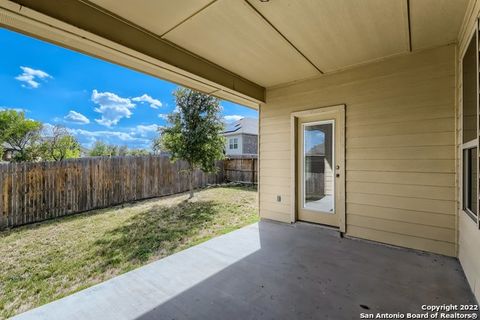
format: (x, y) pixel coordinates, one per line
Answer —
(271, 271)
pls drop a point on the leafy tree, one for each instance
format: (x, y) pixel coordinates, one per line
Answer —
(59, 145)
(113, 149)
(194, 131)
(19, 135)
(138, 152)
(157, 143)
(123, 151)
(100, 148)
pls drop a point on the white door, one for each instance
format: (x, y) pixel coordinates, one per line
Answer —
(320, 168)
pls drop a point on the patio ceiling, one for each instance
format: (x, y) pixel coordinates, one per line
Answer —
(249, 45)
(280, 41)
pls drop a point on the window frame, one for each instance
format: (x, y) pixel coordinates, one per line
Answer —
(233, 143)
(474, 142)
(467, 185)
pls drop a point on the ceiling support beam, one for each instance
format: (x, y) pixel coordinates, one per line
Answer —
(409, 26)
(86, 17)
(283, 36)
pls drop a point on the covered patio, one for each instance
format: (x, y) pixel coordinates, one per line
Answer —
(270, 270)
(384, 91)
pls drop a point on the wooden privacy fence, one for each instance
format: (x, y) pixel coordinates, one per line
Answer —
(32, 192)
(241, 169)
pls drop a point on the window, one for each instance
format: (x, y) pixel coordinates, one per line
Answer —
(470, 129)
(233, 143)
(469, 181)
(318, 159)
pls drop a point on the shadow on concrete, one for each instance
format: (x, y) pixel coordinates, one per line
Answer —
(304, 272)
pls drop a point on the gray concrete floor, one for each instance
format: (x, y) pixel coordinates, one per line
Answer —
(323, 205)
(271, 271)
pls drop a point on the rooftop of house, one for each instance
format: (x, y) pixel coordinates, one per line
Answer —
(317, 150)
(244, 125)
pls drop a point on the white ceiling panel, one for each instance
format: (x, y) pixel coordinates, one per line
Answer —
(233, 35)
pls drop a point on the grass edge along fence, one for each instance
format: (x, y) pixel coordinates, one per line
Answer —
(36, 191)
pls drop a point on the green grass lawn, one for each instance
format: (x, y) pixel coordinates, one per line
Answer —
(46, 261)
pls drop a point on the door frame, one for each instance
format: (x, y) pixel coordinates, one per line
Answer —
(340, 183)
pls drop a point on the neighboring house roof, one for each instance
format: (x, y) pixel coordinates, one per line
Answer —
(244, 125)
(317, 150)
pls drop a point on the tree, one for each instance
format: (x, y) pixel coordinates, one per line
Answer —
(100, 148)
(19, 135)
(193, 134)
(138, 152)
(59, 145)
(157, 142)
(123, 151)
(109, 150)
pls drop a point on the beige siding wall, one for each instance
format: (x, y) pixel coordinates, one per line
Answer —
(400, 148)
(468, 232)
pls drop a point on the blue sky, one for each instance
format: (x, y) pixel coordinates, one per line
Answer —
(95, 99)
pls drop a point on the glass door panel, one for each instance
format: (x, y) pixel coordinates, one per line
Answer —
(318, 166)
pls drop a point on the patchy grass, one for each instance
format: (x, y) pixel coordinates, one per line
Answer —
(46, 261)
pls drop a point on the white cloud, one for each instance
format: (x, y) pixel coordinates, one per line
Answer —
(76, 117)
(232, 118)
(3, 108)
(145, 130)
(31, 76)
(132, 139)
(145, 98)
(103, 134)
(112, 107)
(163, 116)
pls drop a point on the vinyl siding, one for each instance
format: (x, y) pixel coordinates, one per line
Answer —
(400, 148)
